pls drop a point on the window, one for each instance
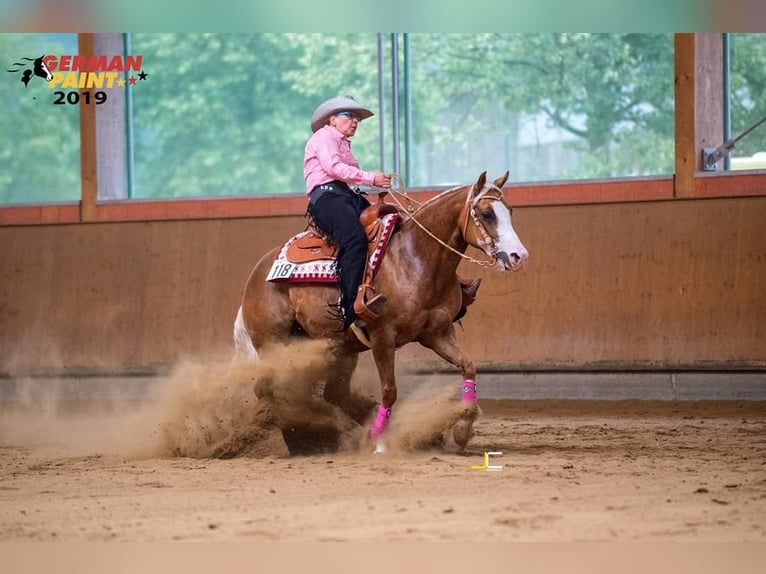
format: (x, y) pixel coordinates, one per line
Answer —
(545, 106)
(229, 114)
(40, 155)
(746, 100)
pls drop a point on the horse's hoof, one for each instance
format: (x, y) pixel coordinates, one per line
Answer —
(462, 432)
(380, 448)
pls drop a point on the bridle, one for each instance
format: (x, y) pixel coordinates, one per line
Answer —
(489, 190)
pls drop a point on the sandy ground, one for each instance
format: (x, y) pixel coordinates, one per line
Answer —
(190, 468)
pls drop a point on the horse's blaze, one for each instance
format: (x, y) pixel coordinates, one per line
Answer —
(510, 249)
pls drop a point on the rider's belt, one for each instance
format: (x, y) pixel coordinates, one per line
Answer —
(335, 185)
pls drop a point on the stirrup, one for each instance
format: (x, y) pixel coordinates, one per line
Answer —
(361, 334)
(368, 310)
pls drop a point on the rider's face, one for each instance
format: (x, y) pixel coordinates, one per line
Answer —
(345, 122)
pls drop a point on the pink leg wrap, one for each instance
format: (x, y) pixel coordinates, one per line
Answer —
(469, 394)
(381, 422)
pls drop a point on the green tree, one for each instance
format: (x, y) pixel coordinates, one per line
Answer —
(40, 149)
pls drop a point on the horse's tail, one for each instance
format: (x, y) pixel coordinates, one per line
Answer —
(243, 344)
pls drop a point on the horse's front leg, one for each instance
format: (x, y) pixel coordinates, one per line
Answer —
(445, 345)
(383, 352)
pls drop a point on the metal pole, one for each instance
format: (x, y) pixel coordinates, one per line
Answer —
(129, 139)
(407, 112)
(711, 156)
(726, 95)
(395, 97)
(381, 107)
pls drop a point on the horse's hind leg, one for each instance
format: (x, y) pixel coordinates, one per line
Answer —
(266, 315)
(265, 318)
(337, 390)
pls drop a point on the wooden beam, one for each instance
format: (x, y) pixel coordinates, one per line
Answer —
(698, 105)
(88, 148)
(683, 55)
(709, 90)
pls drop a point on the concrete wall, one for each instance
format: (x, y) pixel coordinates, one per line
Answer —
(667, 284)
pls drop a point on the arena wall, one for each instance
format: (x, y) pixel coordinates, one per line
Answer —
(674, 284)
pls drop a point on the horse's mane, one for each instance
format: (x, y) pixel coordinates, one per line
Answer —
(437, 198)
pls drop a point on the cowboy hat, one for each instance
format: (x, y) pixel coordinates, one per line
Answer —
(335, 105)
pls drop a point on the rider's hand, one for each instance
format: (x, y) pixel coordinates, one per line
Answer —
(382, 180)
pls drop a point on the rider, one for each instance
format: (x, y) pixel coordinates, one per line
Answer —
(330, 169)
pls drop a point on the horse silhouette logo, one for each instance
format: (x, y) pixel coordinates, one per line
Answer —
(38, 69)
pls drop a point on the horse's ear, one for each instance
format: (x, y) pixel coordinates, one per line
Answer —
(479, 185)
(500, 181)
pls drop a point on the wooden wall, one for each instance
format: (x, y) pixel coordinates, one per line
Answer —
(659, 284)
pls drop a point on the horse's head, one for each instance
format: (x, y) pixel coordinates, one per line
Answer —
(492, 230)
(41, 70)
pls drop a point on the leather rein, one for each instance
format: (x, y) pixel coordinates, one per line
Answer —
(489, 191)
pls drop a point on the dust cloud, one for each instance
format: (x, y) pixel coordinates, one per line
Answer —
(219, 408)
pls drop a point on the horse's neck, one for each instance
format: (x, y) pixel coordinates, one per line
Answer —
(439, 221)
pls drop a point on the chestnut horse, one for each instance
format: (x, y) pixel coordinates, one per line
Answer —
(417, 275)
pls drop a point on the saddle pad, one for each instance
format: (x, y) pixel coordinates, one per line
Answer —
(323, 270)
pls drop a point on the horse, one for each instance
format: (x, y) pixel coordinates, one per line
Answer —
(418, 277)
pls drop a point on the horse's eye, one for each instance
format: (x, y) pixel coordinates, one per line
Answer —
(487, 215)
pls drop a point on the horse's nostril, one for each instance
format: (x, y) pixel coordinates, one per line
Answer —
(503, 256)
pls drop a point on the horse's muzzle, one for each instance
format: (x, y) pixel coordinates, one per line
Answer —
(515, 261)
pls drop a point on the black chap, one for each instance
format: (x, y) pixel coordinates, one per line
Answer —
(335, 210)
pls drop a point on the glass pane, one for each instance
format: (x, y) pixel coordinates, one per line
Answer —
(544, 106)
(748, 106)
(229, 114)
(40, 155)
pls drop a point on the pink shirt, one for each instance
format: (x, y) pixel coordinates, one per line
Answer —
(328, 156)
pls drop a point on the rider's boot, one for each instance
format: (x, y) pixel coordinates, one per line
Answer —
(366, 312)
